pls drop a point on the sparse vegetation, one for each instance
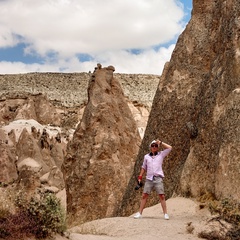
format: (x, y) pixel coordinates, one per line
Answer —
(226, 209)
(229, 210)
(41, 216)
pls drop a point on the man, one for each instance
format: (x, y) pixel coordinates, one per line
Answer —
(152, 165)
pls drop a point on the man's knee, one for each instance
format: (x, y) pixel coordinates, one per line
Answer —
(162, 197)
(144, 196)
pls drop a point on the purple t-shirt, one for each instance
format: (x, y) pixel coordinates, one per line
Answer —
(153, 164)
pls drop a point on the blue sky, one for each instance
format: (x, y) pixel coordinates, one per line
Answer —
(136, 36)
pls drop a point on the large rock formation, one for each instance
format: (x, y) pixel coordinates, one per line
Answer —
(196, 108)
(101, 155)
(27, 106)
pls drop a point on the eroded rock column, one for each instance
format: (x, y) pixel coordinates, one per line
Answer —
(101, 155)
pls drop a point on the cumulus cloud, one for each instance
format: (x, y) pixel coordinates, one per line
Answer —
(62, 32)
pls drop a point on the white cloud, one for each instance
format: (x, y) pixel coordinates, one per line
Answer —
(149, 61)
(19, 67)
(105, 30)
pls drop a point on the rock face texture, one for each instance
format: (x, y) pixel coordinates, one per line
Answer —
(196, 108)
(7, 161)
(29, 151)
(70, 89)
(102, 153)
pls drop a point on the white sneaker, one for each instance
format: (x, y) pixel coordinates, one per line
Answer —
(138, 215)
(166, 217)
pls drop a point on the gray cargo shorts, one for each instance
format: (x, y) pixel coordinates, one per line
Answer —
(156, 183)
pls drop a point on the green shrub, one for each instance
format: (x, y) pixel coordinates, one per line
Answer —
(41, 216)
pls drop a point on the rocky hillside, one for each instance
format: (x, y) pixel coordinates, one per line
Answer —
(70, 89)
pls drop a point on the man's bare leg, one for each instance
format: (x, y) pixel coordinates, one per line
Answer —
(143, 202)
(163, 203)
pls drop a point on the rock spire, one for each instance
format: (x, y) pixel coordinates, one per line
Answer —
(101, 155)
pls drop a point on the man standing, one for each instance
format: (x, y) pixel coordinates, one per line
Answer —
(152, 165)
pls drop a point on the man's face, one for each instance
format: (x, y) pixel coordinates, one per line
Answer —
(154, 147)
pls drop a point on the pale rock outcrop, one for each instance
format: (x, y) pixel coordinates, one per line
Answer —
(58, 152)
(46, 152)
(27, 106)
(8, 167)
(55, 178)
(28, 147)
(101, 155)
(140, 115)
(24, 109)
(196, 108)
(29, 174)
(29, 163)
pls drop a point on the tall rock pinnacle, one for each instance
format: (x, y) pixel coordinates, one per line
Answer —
(101, 155)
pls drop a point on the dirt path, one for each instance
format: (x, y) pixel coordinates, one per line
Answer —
(186, 220)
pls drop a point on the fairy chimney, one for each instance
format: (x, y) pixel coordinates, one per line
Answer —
(101, 155)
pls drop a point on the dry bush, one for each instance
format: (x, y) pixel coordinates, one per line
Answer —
(40, 216)
(226, 209)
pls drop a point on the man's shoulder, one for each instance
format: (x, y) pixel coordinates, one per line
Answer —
(166, 150)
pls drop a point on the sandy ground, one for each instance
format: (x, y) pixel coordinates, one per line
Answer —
(185, 217)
